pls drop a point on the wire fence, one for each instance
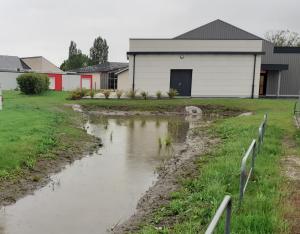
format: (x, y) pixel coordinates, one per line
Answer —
(245, 175)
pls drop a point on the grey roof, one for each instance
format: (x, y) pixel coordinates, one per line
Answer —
(218, 30)
(104, 67)
(12, 63)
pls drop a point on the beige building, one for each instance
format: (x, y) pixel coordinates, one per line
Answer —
(215, 60)
(41, 65)
(103, 76)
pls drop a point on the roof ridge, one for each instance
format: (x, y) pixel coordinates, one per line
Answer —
(214, 22)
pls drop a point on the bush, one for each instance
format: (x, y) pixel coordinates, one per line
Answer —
(119, 93)
(144, 94)
(33, 83)
(106, 93)
(92, 93)
(131, 94)
(79, 93)
(172, 93)
(158, 94)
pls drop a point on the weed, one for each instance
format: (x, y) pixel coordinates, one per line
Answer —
(172, 93)
(144, 95)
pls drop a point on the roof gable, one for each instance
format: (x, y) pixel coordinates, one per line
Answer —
(12, 63)
(218, 30)
(41, 64)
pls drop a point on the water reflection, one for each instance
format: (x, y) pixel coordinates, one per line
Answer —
(96, 192)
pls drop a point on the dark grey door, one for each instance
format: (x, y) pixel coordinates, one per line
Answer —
(181, 80)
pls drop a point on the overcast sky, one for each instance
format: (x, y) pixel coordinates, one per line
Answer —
(46, 27)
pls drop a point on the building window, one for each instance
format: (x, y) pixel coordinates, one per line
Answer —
(112, 81)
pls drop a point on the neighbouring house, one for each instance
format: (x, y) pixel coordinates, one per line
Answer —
(214, 60)
(280, 71)
(12, 66)
(41, 65)
(123, 79)
(101, 76)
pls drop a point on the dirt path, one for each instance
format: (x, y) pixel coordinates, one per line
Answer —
(291, 170)
(182, 165)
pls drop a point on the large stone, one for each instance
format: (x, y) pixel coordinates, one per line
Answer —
(193, 110)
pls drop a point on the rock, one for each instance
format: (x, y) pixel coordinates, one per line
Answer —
(246, 114)
(193, 110)
(99, 95)
(77, 108)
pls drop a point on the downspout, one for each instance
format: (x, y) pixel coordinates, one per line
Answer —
(278, 84)
(253, 80)
(133, 75)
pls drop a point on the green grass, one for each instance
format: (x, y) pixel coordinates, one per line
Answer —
(33, 127)
(195, 204)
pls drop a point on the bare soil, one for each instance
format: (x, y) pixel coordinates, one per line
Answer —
(291, 170)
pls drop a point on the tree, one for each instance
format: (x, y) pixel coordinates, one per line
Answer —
(73, 49)
(76, 59)
(99, 51)
(283, 38)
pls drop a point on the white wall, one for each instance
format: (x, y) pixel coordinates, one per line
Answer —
(213, 75)
(70, 82)
(123, 81)
(170, 45)
(96, 80)
(8, 80)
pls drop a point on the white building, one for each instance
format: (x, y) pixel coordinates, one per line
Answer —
(215, 60)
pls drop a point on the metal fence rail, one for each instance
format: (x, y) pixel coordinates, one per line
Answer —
(245, 176)
(226, 204)
(261, 132)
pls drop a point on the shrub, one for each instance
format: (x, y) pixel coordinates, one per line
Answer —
(33, 83)
(119, 93)
(92, 93)
(78, 94)
(106, 93)
(172, 93)
(158, 94)
(131, 94)
(144, 94)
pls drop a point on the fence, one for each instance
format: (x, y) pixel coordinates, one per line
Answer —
(226, 204)
(245, 176)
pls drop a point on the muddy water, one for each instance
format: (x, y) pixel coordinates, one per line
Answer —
(93, 194)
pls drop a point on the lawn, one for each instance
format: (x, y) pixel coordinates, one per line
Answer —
(34, 126)
(264, 204)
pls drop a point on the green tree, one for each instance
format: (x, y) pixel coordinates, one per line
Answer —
(75, 60)
(73, 49)
(283, 38)
(99, 51)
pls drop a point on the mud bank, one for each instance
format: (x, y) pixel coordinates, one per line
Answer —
(182, 165)
(177, 110)
(30, 179)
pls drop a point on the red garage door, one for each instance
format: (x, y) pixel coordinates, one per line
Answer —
(86, 81)
(55, 81)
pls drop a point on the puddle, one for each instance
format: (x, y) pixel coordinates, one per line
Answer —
(95, 193)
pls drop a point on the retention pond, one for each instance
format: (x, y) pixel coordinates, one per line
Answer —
(95, 193)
